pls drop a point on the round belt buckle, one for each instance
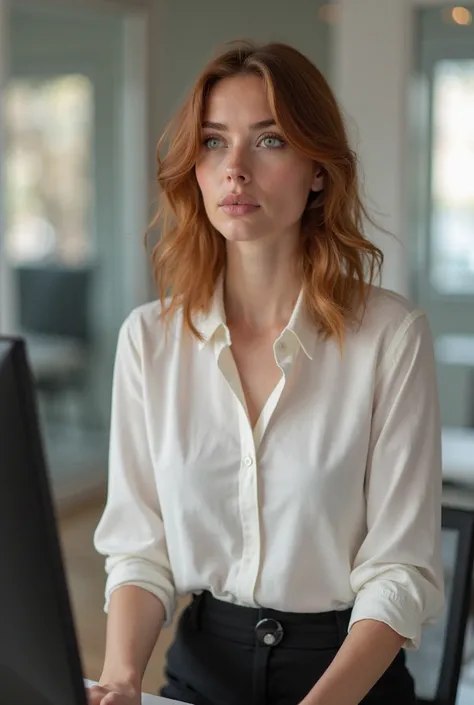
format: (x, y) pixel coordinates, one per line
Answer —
(269, 632)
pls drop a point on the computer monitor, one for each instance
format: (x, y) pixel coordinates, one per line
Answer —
(39, 656)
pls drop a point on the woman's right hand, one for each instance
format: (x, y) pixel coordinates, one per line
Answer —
(113, 694)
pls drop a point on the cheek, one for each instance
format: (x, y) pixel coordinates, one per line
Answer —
(200, 173)
(289, 183)
(204, 180)
(209, 170)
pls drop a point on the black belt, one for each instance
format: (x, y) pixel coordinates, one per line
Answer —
(251, 625)
(267, 629)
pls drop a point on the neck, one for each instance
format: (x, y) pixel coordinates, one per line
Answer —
(261, 286)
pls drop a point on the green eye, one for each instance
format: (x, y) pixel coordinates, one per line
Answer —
(272, 142)
(212, 143)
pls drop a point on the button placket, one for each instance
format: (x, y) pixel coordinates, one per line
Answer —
(249, 513)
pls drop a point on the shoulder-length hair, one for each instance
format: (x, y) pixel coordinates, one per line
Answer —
(337, 262)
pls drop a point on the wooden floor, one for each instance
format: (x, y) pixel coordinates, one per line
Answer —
(86, 579)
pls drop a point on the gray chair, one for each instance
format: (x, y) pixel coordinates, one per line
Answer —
(54, 318)
(436, 667)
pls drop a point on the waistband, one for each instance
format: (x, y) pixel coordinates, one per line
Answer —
(248, 625)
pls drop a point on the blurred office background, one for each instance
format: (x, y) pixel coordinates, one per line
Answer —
(86, 87)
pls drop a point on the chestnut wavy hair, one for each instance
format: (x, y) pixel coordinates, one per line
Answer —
(337, 262)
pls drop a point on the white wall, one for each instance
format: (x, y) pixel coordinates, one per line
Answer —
(372, 56)
(372, 60)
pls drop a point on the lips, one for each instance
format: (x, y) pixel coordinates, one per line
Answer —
(234, 199)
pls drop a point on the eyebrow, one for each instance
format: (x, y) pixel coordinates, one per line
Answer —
(224, 128)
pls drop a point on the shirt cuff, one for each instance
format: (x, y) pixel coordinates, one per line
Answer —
(396, 608)
(125, 573)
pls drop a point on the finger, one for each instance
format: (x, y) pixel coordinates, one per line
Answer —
(113, 699)
(95, 694)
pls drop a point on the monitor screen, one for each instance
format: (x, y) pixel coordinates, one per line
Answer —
(39, 656)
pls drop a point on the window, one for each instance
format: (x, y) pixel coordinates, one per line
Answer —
(452, 183)
(49, 125)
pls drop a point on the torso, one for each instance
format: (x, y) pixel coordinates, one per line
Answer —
(258, 370)
(310, 460)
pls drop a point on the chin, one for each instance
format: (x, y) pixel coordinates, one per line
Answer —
(240, 237)
(240, 232)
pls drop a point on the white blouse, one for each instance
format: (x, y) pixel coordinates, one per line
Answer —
(333, 500)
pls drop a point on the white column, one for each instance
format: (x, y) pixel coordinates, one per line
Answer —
(372, 61)
(5, 288)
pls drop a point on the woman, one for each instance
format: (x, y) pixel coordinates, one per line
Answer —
(275, 438)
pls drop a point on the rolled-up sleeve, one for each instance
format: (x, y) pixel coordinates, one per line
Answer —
(397, 574)
(131, 533)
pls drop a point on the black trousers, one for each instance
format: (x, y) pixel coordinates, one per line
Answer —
(230, 655)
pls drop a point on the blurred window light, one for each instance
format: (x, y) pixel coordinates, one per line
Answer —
(452, 183)
(48, 168)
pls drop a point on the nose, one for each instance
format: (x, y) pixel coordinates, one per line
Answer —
(237, 168)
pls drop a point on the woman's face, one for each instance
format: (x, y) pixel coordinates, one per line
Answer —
(253, 184)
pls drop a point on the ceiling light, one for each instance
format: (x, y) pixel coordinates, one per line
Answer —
(461, 15)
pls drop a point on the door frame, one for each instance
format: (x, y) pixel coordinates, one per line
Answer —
(131, 158)
(449, 314)
(132, 155)
(422, 137)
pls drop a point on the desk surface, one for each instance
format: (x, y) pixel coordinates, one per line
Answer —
(146, 699)
(458, 496)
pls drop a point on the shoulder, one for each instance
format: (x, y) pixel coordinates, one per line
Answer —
(146, 330)
(392, 322)
(388, 310)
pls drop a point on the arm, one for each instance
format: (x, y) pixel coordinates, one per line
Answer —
(364, 656)
(397, 572)
(140, 593)
(133, 625)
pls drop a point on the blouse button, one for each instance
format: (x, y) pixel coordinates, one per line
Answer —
(248, 461)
